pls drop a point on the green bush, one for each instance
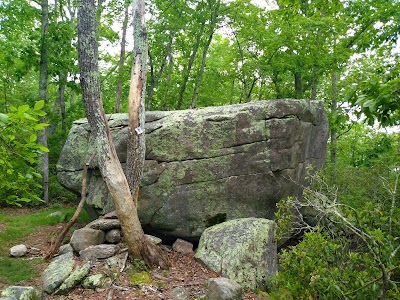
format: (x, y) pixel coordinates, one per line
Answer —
(347, 253)
(19, 150)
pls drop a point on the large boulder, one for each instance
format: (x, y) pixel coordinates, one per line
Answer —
(205, 166)
(242, 250)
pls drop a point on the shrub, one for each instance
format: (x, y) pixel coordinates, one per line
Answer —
(19, 150)
(346, 254)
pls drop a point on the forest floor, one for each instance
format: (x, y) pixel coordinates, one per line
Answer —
(184, 271)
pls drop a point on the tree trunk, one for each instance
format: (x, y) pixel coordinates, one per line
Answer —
(121, 61)
(44, 157)
(167, 81)
(109, 164)
(333, 110)
(314, 81)
(155, 78)
(276, 84)
(213, 24)
(298, 85)
(188, 68)
(61, 97)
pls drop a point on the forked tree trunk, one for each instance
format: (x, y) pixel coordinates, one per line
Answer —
(109, 164)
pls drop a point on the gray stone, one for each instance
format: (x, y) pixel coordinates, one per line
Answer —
(74, 279)
(111, 215)
(180, 293)
(182, 246)
(21, 293)
(85, 237)
(96, 281)
(153, 239)
(224, 289)
(65, 249)
(98, 252)
(18, 250)
(113, 236)
(57, 271)
(104, 224)
(242, 250)
(209, 165)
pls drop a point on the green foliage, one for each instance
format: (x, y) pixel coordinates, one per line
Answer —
(19, 150)
(346, 253)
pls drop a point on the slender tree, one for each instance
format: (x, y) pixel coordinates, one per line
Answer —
(121, 59)
(44, 157)
(109, 165)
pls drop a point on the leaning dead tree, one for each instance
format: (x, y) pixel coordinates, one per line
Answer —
(109, 165)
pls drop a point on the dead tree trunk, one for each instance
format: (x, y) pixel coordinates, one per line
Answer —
(109, 164)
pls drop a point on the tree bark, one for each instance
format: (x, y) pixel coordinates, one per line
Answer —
(314, 81)
(154, 78)
(188, 67)
(109, 164)
(121, 60)
(333, 110)
(298, 85)
(44, 157)
(213, 23)
(61, 97)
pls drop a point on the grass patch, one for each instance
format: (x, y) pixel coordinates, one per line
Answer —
(14, 270)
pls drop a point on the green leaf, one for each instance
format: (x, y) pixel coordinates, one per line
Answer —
(33, 138)
(40, 113)
(3, 118)
(23, 108)
(39, 105)
(40, 126)
(29, 117)
(44, 149)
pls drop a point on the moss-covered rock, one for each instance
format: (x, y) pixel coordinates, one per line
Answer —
(208, 165)
(74, 279)
(96, 281)
(21, 293)
(242, 250)
(57, 271)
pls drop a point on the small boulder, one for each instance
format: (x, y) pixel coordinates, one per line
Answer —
(85, 237)
(98, 252)
(113, 236)
(111, 215)
(65, 249)
(58, 270)
(242, 250)
(21, 292)
(224, 289)
(76, 277)
(96, 281)
(182, 246)
(18, 250)
(104, 224)
(180, 293)
(153, 239)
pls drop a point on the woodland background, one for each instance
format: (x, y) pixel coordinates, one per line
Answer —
(215, 52)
